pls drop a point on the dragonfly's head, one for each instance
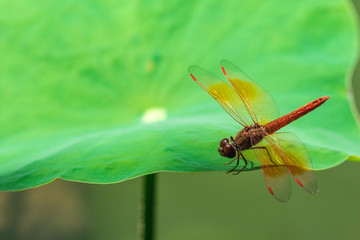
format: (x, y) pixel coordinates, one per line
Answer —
(226, 149)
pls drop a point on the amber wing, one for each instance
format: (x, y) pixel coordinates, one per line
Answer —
(222, 92)
(245, 101)
(259, 104)
(279, 154)
(293, 153)
(275, 172)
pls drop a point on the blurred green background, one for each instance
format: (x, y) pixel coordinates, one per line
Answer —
(190, 206)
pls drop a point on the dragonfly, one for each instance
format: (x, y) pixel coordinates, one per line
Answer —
(280, 154)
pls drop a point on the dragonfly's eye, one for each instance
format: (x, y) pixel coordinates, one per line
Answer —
(224, 142)
(229, 151)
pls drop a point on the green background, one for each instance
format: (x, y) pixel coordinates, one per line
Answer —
(190, 206)
(75, 89)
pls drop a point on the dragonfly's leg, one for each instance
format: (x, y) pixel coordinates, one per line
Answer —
(246, 163)
(230, 162)
(237, 162)
(232, 139)
(266, 151)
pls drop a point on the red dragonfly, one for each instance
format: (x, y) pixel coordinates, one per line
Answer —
(252, 107)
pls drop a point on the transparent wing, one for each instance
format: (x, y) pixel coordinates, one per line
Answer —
(293, 153)
(276, 174)
(223, 93)
(260, 105)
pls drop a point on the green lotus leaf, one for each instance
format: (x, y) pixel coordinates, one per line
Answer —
(98, 91)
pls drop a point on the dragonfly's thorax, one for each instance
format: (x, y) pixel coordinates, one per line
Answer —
(249, 136)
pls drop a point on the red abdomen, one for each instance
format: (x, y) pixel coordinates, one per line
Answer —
(281, 122)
